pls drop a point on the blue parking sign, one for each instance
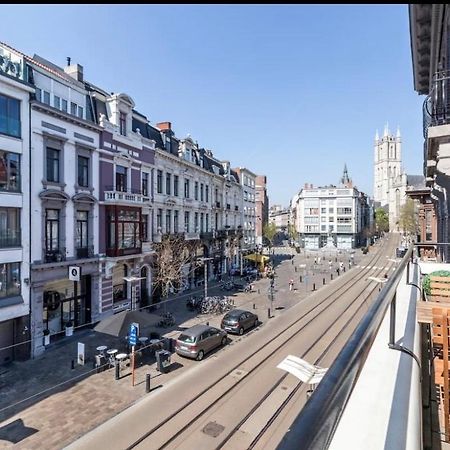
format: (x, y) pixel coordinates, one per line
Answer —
(133, 334)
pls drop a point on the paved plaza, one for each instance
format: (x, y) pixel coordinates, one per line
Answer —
(44, 403)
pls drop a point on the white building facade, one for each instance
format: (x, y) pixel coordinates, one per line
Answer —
(15, 91)
(248, 181)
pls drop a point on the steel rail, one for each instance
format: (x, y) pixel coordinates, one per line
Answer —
(343, 287)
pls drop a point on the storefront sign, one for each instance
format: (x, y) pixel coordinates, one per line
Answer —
(80, 358)
(74, 273)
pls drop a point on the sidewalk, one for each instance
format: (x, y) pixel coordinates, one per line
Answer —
(65, 403)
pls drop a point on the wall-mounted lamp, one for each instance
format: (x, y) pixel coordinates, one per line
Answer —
(26, 280)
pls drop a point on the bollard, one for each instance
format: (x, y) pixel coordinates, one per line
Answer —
(301, 279)
(268, 313)
(335, 259)
(331, 276)
(343, 269)
(147, 383)
(72, 364)
(295, 268)
(117, 370)
(314, 286)
(324, 281)
(207, 324)
(254, 306)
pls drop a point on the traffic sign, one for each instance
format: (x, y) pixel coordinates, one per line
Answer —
(133, 334)
(74, 273)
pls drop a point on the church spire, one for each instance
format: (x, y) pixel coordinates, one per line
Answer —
(377, 137)
(398, 132)
(345, 179)
(386, 130)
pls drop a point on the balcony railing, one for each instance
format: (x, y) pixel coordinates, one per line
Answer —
(132, 196)
(10, 239)
(57, 255)
(85, 252)
(114, 251)
(436, 107)
(206, 235)
(191, 236)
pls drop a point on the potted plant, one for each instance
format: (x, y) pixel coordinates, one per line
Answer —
(46, 337)
(69, 328)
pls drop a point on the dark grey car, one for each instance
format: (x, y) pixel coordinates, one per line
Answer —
(198, 340)
(239, 320)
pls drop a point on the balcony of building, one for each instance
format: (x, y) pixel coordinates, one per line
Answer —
(376, 393)
(127, 197)
(84, 252)
(11, 238)
(55, 255)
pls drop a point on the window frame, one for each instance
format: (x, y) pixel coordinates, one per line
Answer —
(10, 121)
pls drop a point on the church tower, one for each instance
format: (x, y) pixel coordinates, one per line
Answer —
(388, 176)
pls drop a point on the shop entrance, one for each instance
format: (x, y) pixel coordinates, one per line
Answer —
(61, 306)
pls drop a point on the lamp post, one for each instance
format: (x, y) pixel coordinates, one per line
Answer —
(205, 270)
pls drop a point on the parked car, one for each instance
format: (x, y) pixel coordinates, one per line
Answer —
(198, 340)
(239, 320)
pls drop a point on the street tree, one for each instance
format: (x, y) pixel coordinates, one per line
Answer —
(175, 260)
(408, 220)
(269, 232)
(381, 220)
(292, 232)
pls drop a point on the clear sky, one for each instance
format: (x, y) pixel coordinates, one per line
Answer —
(289, 91)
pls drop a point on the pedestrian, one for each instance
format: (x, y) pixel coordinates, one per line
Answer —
(315, 261)
(337, 270)
(341, 265)
(291, 285)
(318, 260)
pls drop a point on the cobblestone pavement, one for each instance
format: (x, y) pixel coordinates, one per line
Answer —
(45, 404)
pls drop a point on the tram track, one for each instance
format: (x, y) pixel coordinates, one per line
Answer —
(202, 401)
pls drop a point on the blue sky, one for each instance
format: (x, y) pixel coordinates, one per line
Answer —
(289, 91)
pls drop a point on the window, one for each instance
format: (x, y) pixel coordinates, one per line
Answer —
(331, 210)
(38, 95)
(323, 210)
(9, 227)
(9, 279)
(9, 171)
(46, 98)
(201, 222)
(207, 193)
(175, 221)
(186, 188)
(196, 190)
(159, 220)
(201, 192)
(64, 105)
(186, 221)
(53, 157)
(159, 182)
(123, 124)
(196, 222)
(168, 183)
(83, 171)
(121, 179)
(207, 222)
(144, 183)
(73, 108)
(168, 220)
(52, 230)
(81, 239)
(127, 222)
(175, 185)
(145, 236)
(56, 102)
(217, 221)
(9, 116)
(80, 112)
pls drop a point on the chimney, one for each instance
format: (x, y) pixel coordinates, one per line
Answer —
(306, 185)
(74, 70)
(164, 126)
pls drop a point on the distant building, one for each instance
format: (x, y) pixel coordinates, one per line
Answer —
(390, 180)
(262, 206)
(280, 217)
(331, 215)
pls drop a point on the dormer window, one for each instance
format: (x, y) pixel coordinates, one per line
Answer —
(123, 124)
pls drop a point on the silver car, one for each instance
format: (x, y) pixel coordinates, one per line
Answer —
(198, 340)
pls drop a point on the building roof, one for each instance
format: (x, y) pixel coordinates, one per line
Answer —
(415, 181)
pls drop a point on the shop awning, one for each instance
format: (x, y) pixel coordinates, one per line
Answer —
(257, 258)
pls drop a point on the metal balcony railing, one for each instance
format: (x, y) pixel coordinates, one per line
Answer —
(436, 107)
(10, 238)
(56, 255)
(316, 423)
(85, 252)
